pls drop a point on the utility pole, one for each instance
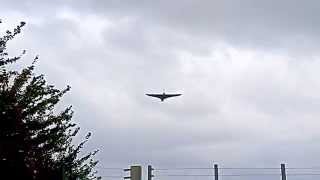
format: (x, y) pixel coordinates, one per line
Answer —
(150, 175)
(283, 172)
(216, 172)
(135, 173)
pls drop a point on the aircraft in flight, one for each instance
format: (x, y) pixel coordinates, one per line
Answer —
(163, 96)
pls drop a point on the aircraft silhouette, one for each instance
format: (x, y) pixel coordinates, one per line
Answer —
(163, 96)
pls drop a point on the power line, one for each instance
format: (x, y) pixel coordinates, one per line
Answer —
(199, 168)
(307, 168)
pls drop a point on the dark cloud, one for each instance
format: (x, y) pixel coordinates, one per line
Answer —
(269, 24)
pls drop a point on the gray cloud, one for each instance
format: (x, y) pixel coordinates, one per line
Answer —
(271, 24)
(248, 72)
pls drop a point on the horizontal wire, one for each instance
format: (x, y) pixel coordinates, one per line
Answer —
(162, 169)
(113, 176)
(208, 175)
(167, 169)
(250, 175)
(182, 175)
(315, 168)
(109, 168)
(304, 174)
(247, 168)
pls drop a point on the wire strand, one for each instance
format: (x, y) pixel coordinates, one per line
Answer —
(210, 175)
(304, 174)
(113, 176)
(258, 174)
(109, 168)
(248, 168)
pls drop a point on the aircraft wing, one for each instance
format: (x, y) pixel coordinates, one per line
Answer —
(163, 96)
(171, 95)
(155, 95)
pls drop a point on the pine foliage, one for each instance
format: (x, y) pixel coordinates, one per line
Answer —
(35, 141)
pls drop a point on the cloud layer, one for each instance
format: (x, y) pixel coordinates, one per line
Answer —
(248, 72)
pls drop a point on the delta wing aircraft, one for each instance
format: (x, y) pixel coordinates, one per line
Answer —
(163, 96)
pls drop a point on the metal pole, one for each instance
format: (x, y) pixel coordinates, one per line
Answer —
(216, 172)
(283, 172)
(150, 176)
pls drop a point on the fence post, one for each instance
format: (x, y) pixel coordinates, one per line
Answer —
(283, 172)
(150, 175)
(135, 173)
(216, 172)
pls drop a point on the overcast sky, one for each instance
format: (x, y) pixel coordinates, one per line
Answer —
(248, 71)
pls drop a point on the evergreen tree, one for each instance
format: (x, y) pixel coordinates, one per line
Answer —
(35, 141)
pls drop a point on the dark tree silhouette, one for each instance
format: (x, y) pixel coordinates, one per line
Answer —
(35, 141)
